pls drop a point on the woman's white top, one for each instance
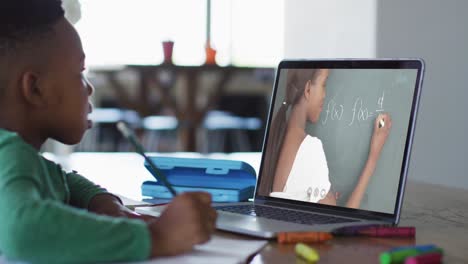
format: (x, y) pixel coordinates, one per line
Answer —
(308, 179)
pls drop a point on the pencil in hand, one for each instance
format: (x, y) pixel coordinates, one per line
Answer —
(158, 174)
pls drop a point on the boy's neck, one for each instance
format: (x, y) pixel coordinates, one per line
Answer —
(24, 128)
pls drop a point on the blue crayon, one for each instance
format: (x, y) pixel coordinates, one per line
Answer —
(419, 248)
(352, 230)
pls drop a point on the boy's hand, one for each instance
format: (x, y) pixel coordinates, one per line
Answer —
(188, 220)
(107, 204)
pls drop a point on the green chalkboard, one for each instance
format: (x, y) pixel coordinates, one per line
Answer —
(354, 98)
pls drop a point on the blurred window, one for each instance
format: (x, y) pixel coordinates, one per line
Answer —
(244, 33)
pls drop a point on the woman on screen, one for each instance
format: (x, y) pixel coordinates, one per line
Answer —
(296, 159)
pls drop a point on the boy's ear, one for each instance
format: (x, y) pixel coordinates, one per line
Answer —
(33, 93)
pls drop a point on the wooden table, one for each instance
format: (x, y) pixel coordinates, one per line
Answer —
(439, 213)
(162, 78)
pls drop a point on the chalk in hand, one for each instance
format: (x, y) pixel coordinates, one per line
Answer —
(381, 123)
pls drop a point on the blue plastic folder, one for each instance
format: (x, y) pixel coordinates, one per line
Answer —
(225, 180)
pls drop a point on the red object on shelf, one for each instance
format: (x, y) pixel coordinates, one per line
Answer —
(210, 55)
(168, 47)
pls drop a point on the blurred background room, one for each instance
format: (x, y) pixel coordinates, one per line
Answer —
(196, 76)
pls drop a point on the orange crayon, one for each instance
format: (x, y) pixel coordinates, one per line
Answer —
(306, 237)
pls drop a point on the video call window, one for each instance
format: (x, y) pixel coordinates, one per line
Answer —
(337, 136)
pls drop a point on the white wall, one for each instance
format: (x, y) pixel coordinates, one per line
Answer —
(432, 29)
(329, 28)
(436, 31)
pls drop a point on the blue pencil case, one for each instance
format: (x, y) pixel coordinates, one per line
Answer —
(225, 180)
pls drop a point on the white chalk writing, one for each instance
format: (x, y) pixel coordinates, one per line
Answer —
(359, 112)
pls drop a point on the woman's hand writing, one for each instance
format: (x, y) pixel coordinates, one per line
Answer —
(382, 126)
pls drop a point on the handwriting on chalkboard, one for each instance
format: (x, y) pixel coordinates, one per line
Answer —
(358, 111)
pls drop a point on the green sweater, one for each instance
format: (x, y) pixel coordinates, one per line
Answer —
(43, 216)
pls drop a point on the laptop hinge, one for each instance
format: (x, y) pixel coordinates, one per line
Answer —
(337, 212)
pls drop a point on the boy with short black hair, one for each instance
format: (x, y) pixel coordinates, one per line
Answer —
(48, 215)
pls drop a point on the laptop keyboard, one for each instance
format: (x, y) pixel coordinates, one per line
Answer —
(283, 214)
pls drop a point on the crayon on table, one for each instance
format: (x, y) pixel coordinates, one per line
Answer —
(351, 230)
(425, 258)
(306, 237)
(422, 248)
(399, 256)
(306, 252)
(388, 231)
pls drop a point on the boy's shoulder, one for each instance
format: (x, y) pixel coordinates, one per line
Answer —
(12, 144)
(16, 156)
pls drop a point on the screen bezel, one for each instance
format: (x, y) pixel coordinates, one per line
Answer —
(412, 63)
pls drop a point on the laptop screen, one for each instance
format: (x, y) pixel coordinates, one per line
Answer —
(339, 133)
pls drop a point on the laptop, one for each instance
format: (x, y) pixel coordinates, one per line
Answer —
(336, 148)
